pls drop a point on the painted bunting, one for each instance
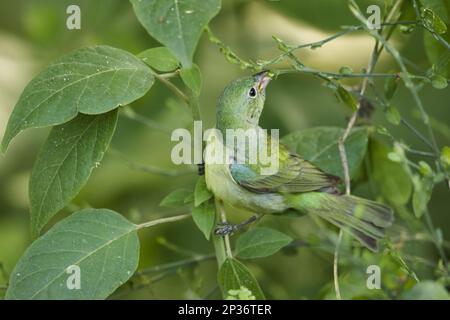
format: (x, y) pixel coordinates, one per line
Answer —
(297, 185)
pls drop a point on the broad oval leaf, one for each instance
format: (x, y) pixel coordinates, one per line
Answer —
(101, 243)
(177, 24)
(204, 217)
(159, 58)
(233, 275)
(261, 242)
(176, 198)
(320, 146)
(65, 162)
(90, 80)
(394, 183)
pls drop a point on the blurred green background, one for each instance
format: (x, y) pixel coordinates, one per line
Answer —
(33, 33)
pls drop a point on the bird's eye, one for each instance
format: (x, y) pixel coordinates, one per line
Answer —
(252, 93)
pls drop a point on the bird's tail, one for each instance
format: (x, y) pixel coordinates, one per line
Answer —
(366, 220)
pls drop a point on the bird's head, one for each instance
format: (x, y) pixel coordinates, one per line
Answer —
(242, 102)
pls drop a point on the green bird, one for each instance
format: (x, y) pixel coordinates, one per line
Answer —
(296, 186)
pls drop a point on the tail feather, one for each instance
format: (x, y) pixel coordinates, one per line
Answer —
(364, 219)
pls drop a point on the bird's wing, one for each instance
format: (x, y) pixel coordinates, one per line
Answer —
(294, 175)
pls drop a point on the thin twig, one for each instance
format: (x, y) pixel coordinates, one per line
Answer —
(341, 144)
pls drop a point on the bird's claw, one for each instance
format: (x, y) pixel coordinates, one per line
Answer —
(224, 229)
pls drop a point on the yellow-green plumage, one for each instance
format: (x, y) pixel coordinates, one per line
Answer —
(297, 184)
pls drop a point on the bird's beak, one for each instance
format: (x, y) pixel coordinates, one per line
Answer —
(262, 80)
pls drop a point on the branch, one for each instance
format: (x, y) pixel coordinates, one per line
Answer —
(148, 169)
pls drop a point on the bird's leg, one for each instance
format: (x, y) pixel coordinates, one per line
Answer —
(227, 228)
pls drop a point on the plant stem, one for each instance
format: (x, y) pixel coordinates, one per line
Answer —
(343, 155)
(149, 169)
(162, 220)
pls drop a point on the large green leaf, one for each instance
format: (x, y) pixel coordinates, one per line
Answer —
(102, 243)
(204, 216)
(90, 80)
(320, 146)
(233, 275)
(394, 183)
(65, 162)
(177, 24)
(261, 242)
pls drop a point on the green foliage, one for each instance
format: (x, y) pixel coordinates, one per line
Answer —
(176, 24)
(102, 243)
(392, 115)
(204, 216)
(433, 21)
(439, 82)
(201, 193)
(91, 80)
(159, 58)
(320, 146)
(79, 94)
(192, 77)
(347, 98)
(176, 199)
(427, 290)
(261, 242)
(64, 164)
(392, 180)
(233, 275)
(242, 294)
(390, 87)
